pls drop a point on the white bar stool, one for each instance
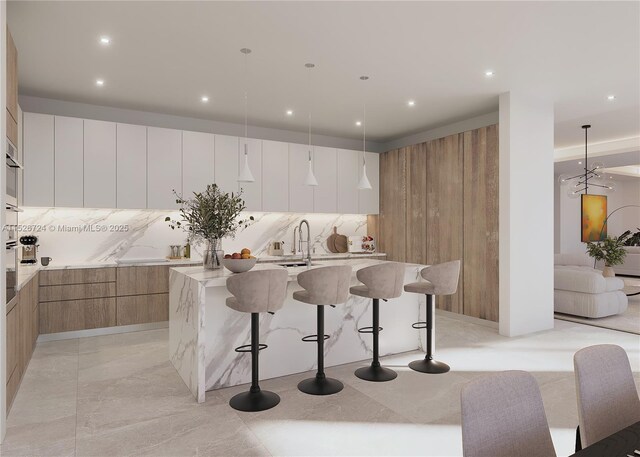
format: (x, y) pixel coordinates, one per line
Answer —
(381, 281)
(322, 286)
(441, 279)
(255, 292)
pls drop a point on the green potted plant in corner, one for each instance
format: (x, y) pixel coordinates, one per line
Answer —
(210, 216)
(610, 251)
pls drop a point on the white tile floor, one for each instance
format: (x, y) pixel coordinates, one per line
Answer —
(118, 395)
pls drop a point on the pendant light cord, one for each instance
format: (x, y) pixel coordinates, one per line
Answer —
(364, 122)
(586, 165)
(246, 52)
(310, 66)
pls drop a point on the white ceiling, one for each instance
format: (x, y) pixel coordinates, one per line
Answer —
(165, 55)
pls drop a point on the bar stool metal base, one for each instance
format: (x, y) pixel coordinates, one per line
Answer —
(429, 366)
(320, 386)
(376, 373)
(254, 401)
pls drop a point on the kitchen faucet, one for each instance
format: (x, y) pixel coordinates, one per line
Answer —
(300, 240)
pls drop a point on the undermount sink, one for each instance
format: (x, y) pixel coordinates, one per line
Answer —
(293, 264)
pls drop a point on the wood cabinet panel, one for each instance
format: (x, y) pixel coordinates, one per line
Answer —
(12, 129)
(69, 161)
(131, 166)
(275, 176)
(99, 164)
(38, 174)
(12, 78)
(65, 316)
(445, 208)
(12, 340)
(392, 238)
(77, 291)
(142, 309)
(481, 294)
(77, 276)
(416, 224)
(142, 280)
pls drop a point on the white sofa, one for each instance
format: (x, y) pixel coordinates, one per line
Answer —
(631, 265)
(581, 290)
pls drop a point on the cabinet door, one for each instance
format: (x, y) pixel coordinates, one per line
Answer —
(369, 200)
(12, 340)
(164, 167)
(38, 159)
(142, 309)
(252, 191)
(99, 164)
(226, 163)
(12, 77)
(69, 162)
(275, 176)
(131, 176)
(324, 167)
(300, 195)
(197, 162)
(347, 181)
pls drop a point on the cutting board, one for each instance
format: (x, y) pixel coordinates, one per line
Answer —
(331, 241)
(341, 242)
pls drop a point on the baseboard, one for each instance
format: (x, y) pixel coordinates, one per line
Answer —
(465, 318)
(101, 331)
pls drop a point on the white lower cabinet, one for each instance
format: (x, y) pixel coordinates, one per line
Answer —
(226, 163)
(251, 191)
(300, 195)
(99, 164)
(325, 194)
(275, 176)
(38, 150)
(197, 162)
(131, 174)
(69, 162)
(164, 167)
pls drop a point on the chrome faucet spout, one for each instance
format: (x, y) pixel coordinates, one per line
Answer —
(308, 241)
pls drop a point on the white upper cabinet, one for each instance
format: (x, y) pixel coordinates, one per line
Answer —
(99, 164)
(69, 162)
(252, 191)
(275, 176)
(38, 133)
(369, 200)
(226, 163)
(300, 195)
(347, 180)
(324, 167)
(197, 162)
(131, 182)
(164, 167)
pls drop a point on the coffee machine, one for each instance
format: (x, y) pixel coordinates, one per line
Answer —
(29, 249)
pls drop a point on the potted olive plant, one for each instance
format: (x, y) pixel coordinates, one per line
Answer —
(610, 251)
(210, 216)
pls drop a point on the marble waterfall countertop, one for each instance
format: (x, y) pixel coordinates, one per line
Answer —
(203, 331)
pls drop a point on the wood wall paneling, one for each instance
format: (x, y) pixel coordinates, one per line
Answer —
(141, 309)
(445, 208)
(393, 204)
(480, 282)
(416, 222)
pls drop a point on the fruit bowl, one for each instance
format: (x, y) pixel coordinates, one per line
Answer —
(239, 265)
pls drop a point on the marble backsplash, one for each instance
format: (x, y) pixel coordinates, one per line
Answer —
(73, 235)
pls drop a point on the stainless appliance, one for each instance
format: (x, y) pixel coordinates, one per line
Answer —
(13, 165)
(29, 249)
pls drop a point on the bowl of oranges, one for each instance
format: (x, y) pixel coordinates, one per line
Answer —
(239, 262)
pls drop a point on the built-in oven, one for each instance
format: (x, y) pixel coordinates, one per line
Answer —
(12, 165)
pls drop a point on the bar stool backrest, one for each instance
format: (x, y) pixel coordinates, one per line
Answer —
(327, 285)
(259, 291)
(443, 276)
(607, 396)
(384, 280)
(503, 416)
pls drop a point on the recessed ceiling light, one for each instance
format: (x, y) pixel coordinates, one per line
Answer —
(204, 99)
(411, 103)
(489, 73)
(580, 162)
(611, 98)
(289, 112)
(105, 40)
(358, 123)
(100, 82)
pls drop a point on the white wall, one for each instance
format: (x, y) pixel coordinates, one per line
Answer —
(568, 223)
(3, 135)
(526, 213)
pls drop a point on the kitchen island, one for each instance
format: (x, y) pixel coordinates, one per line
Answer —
(203, 331)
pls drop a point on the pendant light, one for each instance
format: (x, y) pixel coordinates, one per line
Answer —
(311, 178)
(246, 175)
(364, 183)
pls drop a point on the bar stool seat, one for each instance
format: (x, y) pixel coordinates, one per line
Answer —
(382, 281)
(255, 292)
(322, 286)
(441, 279)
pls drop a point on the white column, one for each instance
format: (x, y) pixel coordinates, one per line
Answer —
(526, 213)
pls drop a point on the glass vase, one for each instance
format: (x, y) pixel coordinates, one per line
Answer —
(213, 255)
